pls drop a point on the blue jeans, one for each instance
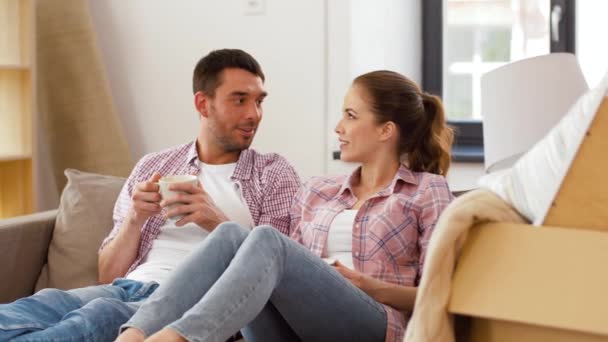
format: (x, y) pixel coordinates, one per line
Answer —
(264, 283)
(92, 313)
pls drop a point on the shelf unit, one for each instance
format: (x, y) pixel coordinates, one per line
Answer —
(17, 106)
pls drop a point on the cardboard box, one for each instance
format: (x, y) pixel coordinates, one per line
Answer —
(550, 283)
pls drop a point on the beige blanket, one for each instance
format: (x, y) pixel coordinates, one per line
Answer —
(430, 320)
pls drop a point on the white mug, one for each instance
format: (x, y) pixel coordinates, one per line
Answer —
(163, 188)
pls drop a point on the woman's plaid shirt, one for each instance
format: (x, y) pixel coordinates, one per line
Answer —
(392, 228)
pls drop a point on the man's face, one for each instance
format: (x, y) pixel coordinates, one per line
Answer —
(235, 111)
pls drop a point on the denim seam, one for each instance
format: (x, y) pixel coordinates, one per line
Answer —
(29, 325)
(246, 295)
(144, 292)
(88, 336)
(235, 307)
(372, 303)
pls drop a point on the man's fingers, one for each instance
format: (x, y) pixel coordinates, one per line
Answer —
(180, 199)
(151, 185)
(155, 177)
(147, 207)
(147, 187)
(145, 196)
(186, 187)
(186, 219)
(181, 210)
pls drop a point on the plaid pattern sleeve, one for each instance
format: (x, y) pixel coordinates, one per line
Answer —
(283, 184)
(295, 214)
(122, 205)
(434, 200)
(175, 160)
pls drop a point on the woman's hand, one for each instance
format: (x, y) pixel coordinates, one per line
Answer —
(373, 287)
(397, 296)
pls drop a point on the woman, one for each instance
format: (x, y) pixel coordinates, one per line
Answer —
(376, 223)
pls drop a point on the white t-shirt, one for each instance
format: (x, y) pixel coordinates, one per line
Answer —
(174, 243)
(340, 239)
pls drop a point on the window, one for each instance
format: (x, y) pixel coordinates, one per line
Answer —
(462, 39)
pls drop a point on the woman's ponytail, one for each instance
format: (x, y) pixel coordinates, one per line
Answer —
(425, 137)
(433, 153)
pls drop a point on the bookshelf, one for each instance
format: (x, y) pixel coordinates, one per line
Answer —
(16, 106)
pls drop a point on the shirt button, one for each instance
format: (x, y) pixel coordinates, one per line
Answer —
(357, 254)
(357, 225)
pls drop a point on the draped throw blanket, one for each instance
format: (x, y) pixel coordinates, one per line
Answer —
(430, 320)
(74, 101)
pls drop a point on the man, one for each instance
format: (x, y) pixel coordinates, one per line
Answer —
(236, 183)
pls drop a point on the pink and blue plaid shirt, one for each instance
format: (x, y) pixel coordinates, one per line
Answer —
(268, 182)
(391, 231)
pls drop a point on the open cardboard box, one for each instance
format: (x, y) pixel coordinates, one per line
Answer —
(522, 283)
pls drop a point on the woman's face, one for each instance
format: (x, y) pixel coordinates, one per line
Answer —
(358, 131)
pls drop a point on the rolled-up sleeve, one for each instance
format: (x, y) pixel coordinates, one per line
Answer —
(123, 204)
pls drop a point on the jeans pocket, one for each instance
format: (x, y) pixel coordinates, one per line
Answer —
(136, 290)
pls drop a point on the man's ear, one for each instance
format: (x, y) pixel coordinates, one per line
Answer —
(387, 130)
(201, 103)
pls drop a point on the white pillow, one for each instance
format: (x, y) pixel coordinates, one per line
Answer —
(532, 183)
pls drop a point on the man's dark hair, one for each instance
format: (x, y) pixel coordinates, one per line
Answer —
(207, 73)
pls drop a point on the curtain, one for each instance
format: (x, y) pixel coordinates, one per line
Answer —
(75, 105)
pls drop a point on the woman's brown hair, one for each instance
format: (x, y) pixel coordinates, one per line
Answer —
(425, 137)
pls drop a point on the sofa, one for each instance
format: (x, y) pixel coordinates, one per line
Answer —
(58, 248)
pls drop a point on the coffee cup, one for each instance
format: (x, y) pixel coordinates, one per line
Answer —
(163, 188)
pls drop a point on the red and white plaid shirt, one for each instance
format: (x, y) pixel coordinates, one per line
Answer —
(391, 231)
(268, 181)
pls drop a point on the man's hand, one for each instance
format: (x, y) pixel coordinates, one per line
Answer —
(196, 206)
(146, 200)
(116, 258)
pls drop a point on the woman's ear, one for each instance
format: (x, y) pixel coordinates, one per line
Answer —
(387, 131)
(200, 103)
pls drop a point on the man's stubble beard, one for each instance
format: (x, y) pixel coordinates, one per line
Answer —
(223, 139)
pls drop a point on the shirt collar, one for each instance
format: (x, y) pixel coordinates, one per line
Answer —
(244, 165)
(192, 155)
(403, 174)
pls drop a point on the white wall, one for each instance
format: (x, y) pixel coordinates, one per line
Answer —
(591, 31)
(151, 46)
(363, 36)
(310, 51)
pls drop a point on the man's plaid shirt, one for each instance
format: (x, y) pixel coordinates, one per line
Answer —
(268, 182)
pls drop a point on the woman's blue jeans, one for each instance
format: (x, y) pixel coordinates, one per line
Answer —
(264, 283)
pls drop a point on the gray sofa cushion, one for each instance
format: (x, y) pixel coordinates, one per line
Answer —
(84, 219)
